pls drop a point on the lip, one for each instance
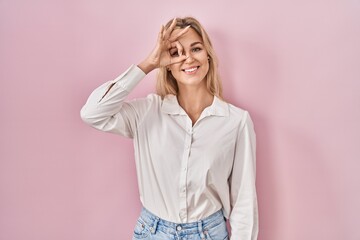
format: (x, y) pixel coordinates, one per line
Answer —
(190, 70)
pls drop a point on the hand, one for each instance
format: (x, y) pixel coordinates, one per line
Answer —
(160, 56)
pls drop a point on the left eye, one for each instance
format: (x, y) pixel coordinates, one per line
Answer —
(196, 49)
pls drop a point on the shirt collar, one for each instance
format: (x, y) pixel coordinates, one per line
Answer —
(170, 105)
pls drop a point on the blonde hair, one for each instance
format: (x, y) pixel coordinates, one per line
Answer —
(166, 83)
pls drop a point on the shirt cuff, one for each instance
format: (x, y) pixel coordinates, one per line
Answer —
(130, 78)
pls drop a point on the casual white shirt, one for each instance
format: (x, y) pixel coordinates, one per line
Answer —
(185, 172)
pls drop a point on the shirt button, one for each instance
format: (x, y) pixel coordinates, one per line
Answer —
(178, 228)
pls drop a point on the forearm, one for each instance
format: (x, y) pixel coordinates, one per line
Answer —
(106, 100)
(146, 66)
(244, 220)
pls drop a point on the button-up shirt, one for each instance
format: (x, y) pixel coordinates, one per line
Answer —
(185, 171)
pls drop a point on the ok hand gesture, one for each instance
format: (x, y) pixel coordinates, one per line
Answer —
(160, 55)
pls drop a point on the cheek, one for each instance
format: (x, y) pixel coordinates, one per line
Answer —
(207, 65)
(174, 67)
(205, 60)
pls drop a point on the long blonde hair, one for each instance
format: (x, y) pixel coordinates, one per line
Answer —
(166, 83)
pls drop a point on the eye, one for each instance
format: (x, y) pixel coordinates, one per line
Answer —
(196, 49)
(174, 52)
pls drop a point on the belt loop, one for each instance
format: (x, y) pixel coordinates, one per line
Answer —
(200, 228)
(154, 227)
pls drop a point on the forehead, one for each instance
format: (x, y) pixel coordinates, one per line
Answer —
(188, 38)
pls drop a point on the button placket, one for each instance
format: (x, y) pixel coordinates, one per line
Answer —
(183, 174)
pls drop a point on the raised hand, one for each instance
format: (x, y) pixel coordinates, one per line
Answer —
(160, 56)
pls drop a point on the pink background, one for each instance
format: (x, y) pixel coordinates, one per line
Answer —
(295, 65)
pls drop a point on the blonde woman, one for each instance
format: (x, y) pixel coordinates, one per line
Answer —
(194, 152)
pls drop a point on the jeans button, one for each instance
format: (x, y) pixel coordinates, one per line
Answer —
(178, 228)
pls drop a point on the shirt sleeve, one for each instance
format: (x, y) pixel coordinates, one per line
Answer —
(244, 210)
(106, 109)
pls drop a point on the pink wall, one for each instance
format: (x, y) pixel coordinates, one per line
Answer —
(294, 66)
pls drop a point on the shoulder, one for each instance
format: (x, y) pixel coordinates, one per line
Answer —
(141, 104)
(149, 99)
(237, 112)
(242, 115)
(154, 97)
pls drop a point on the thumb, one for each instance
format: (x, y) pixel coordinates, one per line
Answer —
(178, 59)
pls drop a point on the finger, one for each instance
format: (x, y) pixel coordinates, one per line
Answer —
(179, 47)
(179, 34)
(178, 59)
(169, 30)
(161, 33)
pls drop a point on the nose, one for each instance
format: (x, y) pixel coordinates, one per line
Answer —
(189, 58)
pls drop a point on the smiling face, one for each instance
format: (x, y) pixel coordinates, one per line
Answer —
(194, 69)
(168, 83)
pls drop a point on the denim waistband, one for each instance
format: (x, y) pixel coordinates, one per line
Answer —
(154, 223)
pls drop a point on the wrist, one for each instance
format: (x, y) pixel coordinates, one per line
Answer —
(146, 67)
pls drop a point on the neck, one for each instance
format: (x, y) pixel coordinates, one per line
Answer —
(194, 100)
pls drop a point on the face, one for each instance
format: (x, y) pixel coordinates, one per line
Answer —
(193, 70)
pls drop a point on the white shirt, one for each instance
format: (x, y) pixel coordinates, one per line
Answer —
(185, 172)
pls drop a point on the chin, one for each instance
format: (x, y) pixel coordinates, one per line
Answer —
(192, 81)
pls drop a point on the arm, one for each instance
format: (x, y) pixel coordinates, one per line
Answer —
(244, 210)
(106, 108)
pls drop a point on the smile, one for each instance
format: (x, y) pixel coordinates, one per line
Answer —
(190, 70)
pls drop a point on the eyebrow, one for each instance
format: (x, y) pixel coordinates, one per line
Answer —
(194, 43)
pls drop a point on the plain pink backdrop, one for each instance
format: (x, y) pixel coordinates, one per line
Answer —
(295, 65)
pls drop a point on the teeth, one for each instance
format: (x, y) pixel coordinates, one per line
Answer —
(191, 69)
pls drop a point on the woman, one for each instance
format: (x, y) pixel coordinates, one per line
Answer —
(194, 153)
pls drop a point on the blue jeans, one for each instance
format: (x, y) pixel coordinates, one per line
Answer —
(151, 227)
